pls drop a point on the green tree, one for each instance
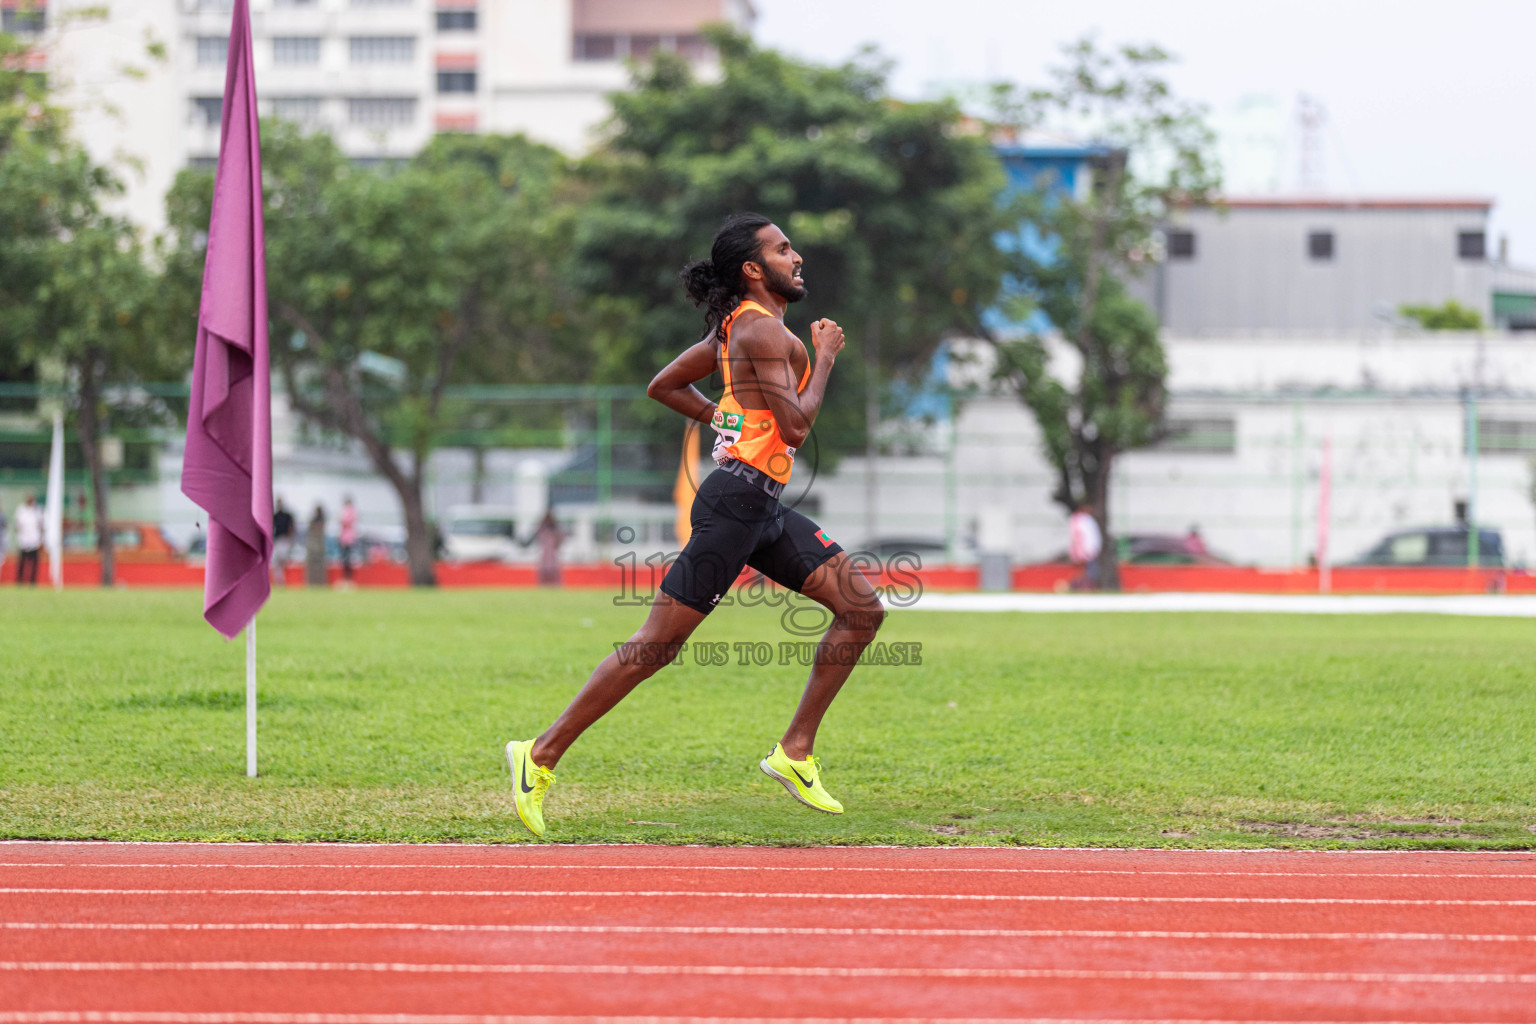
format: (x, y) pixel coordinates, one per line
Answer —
(388, 289)
(74, 289)
(1452, 316)
(96, 311)
(1073, 256)
(892, 204)
(48, 190)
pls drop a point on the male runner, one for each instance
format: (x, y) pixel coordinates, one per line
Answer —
(772, 397)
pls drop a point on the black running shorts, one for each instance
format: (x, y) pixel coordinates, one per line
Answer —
(736, 524)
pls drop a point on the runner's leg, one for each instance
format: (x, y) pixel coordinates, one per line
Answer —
(727, 518)
(857, 613)
(666, 628)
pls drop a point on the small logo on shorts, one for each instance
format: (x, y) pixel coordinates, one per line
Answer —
(715, 599)
(826, 541)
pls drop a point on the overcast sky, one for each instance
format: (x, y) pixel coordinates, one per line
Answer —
(1423, 97)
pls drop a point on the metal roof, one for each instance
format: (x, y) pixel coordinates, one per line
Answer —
(1356, 203)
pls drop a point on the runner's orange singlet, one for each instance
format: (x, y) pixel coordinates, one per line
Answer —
(751, 435)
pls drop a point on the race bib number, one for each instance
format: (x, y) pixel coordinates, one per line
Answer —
(727, 425)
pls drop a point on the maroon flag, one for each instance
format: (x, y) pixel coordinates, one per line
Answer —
(228, 463)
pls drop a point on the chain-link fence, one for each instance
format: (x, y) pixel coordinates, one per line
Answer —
(1240, 476)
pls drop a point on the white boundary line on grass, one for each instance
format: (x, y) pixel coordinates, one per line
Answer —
(1522, 606)
(736, 895)
(641, 929)
(221, 866)
(558, 849)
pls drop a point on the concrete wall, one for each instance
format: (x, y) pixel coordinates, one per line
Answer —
(1389, 407)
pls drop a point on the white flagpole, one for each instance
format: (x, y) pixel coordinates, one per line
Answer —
(1324, 517)
(53, 524)
(250, 698)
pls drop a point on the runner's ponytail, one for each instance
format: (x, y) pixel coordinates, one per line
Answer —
(715, 283)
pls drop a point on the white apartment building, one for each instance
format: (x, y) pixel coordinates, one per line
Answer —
(382, 76)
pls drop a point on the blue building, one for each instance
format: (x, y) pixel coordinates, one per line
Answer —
(1056, 166)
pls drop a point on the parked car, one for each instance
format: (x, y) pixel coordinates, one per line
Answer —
(484, 533)
(1158, 549)
(382, 544)
(1434, 545)
(927, 550)
(1165, 549)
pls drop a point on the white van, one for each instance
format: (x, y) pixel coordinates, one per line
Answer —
(592, 533)
(487, 533)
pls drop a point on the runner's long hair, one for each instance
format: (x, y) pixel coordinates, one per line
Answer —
(715, 283)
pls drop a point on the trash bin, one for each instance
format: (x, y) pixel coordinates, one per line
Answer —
(996, 571)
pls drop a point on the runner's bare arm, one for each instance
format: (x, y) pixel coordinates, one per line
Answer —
(673, 386)
(765, 342)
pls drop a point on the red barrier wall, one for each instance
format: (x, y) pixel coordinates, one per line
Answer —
(1036, 578)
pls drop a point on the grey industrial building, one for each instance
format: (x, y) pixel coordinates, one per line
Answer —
(1331, 264)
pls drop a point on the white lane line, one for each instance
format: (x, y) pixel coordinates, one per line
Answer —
(258, 1017)
(759, 971)
(558, 849)
(641, 929)
(1497, 605)
(712, 894)
(1523, 876)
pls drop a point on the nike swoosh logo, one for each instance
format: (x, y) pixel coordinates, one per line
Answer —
(523, 782)
(808, 782)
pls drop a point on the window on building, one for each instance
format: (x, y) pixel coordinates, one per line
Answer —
(23, 22)
(296, 49)
(597, 47)
(208, 109)
(457, 21)
(203, 163)
(212, 49)
(1181, 245)
(455, 81)
(1504, 437)
(1471, 245)
(644, 47)
(1320, 245)
(1514, 309)
(381, 111)
(693, 47)
(303, 110)
(1209, 435)
(383, 49)
(215, 5)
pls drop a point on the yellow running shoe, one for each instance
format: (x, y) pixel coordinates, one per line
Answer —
(529, 784)
(801, 778)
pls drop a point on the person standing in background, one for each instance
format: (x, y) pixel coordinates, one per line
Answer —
(3, 539)
(282, 543)
(29, 540)
(1085, 541)
(549, 538)
(348, 537)
(314, 549)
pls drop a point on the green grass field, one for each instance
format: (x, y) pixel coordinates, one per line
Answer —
(384, 714)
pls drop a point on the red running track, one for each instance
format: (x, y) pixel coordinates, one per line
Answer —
(246, 934)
